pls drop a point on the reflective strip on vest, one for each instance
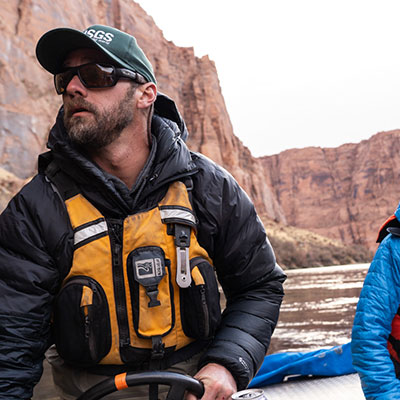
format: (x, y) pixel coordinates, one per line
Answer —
(90, 231)
(176, 213)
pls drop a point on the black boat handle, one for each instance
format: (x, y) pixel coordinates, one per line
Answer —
(178, 384)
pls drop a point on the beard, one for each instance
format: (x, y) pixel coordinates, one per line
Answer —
(104, 127)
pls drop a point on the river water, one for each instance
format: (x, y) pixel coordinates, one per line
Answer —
(318, 308)
(317, 312)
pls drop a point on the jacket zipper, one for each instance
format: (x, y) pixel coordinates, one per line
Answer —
(87, 328)
(205, 310)
(90, 338)
(118, 277)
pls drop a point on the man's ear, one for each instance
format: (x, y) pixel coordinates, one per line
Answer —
(147, 94)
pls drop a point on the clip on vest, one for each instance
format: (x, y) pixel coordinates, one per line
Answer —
(182, 243)
(152, 293)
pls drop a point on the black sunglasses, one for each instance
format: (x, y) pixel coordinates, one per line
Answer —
(95, 76)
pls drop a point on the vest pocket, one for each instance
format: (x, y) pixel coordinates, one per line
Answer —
(151, 292)
(81, 326)
(200, 302)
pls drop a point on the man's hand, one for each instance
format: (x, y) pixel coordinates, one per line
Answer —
(218, 383)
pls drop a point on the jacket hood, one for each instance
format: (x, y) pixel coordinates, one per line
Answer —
(166, 107)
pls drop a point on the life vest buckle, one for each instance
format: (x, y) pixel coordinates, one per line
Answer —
(152, 293)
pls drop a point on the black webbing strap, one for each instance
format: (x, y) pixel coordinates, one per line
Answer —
(158, 351)
(188, 181)
(63, 184)
(153, 391)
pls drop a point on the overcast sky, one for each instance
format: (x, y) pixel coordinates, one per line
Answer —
(296, 73)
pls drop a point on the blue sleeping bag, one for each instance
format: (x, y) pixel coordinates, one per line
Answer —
(327, 362)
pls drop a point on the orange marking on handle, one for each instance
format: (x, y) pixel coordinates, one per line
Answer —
(120, 381)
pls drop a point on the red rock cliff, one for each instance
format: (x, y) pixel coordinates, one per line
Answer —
(345, 192)
(28, 103)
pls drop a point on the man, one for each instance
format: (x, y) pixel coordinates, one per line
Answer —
(110, 250)
(376, 330)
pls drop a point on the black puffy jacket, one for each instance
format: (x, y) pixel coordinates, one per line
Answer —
(36, 248)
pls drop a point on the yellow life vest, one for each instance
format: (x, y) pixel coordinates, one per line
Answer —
(136, 286)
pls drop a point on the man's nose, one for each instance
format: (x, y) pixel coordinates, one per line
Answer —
(75, 86)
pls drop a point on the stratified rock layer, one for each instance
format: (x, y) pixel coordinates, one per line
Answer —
(345, 192)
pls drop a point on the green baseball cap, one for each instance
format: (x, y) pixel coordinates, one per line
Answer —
(121, 48)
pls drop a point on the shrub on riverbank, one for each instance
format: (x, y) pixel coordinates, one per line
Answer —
(299, 248)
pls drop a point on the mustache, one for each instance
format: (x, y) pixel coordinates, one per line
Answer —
(78, 105)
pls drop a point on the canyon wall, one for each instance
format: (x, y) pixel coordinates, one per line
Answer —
(28, 103)
(345, 192)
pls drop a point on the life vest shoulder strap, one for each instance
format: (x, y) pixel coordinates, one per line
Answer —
(391, 225)
(62, 184)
